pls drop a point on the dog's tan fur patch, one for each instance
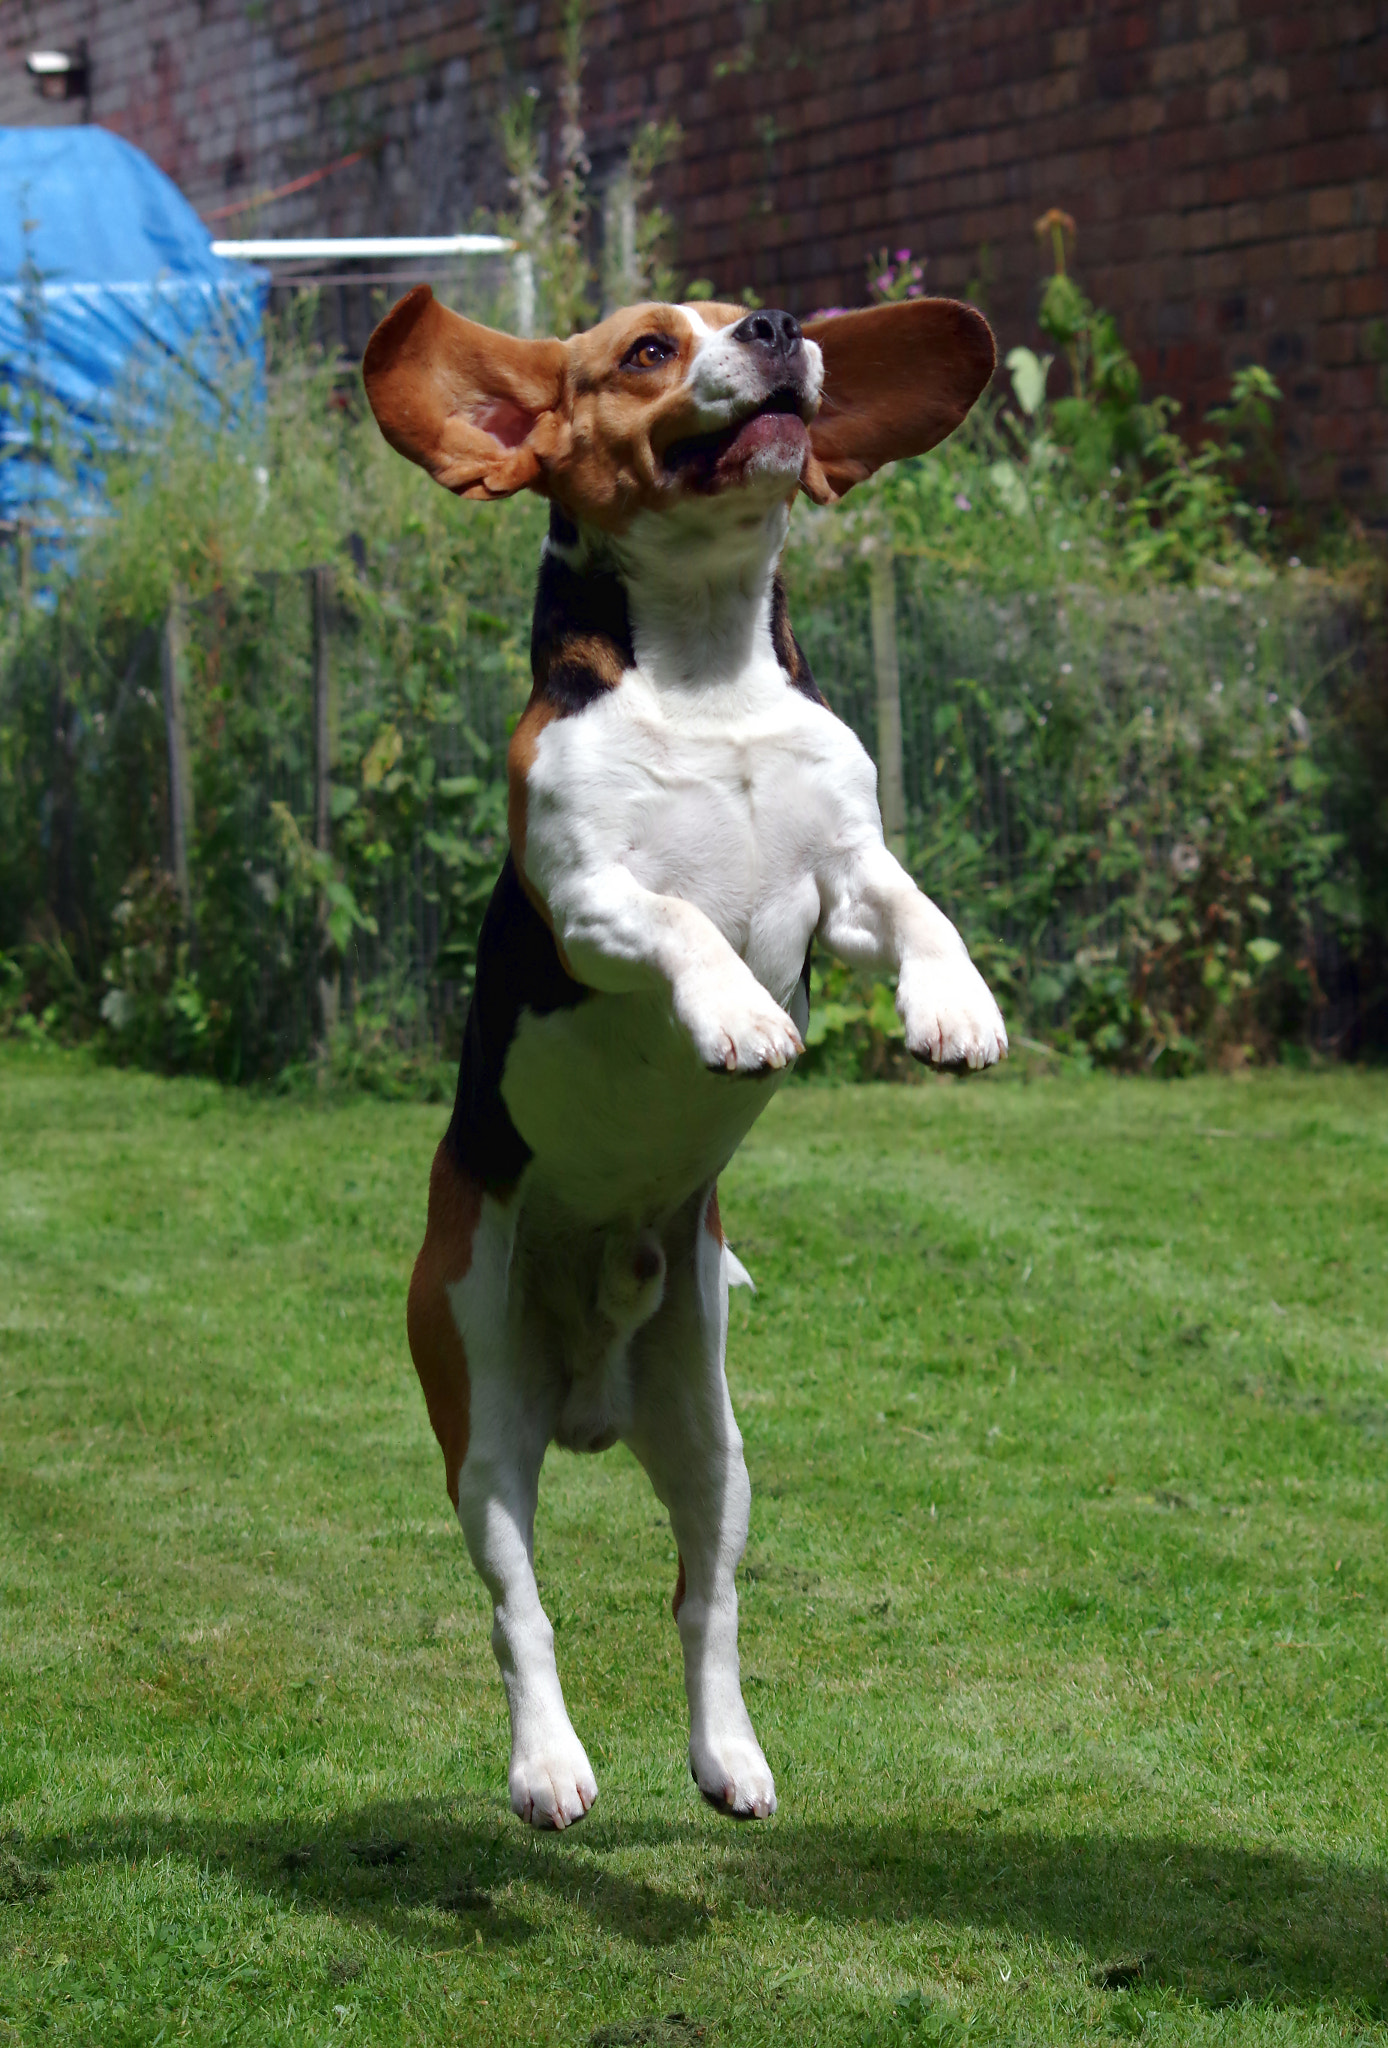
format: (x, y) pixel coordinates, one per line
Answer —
(436, 1345)
(520, 758)
(787, 649)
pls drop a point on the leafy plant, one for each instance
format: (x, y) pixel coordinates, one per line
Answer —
(428, 660)
(563, 287)
(154, 1007)
(854, 1032)
(892, 278)
(1137, 806)
(1181, 506)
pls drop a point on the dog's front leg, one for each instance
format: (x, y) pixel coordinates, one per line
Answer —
(874, 916)
(551, 1780)
(618, 936)
(684, 1433)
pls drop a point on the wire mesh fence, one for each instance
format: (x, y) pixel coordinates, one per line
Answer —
(1120, 799)
(1119, 794)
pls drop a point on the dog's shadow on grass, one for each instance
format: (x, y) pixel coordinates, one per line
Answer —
(1216, 1922)
(474, 1879)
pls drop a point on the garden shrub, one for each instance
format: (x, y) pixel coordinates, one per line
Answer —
(1142, 809)
(1142, 757)
(429, 632)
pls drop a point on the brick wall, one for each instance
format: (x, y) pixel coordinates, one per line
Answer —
(1226, 160)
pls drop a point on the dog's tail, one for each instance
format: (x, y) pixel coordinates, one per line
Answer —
(738, 1276)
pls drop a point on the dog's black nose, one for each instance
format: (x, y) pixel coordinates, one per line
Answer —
(776, 332)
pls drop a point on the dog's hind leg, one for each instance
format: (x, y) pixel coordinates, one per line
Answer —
(684, 1433)
(494, 1462)
(552, 1783)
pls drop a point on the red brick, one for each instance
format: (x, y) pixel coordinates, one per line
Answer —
(1365, 296)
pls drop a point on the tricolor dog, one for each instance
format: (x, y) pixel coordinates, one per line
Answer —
(687, 818)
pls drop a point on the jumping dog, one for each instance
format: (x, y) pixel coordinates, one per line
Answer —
(687, 817)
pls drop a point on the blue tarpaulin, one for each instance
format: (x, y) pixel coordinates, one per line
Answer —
(111, 305)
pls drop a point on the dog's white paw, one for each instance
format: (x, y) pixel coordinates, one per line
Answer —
(554, 1786)
(735, 1025)
(949, 1013)
(733, 1775)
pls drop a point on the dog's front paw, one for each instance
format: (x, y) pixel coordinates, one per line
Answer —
(733, 1775)
(553, 1786)
(949, 1013)
(735, 1025)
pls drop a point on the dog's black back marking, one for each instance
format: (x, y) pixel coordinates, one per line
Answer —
(580, 647)
(580, 639)
(518, 968)
(788, 650)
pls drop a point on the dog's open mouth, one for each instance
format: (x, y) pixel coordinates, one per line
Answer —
(777, 423)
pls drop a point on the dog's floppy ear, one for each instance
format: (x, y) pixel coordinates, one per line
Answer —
(897, 379)
(481, 411)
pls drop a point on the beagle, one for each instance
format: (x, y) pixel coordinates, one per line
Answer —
(687, 817)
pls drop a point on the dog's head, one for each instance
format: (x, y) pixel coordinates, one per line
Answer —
(659, 404)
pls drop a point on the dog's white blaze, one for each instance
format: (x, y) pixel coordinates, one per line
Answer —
(724, 377)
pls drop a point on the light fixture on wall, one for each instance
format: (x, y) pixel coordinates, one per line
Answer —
(60, 74)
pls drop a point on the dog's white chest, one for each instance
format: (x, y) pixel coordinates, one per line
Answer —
(719, 802)
(720, 798)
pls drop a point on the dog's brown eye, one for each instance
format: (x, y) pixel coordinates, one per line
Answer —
(649, 352)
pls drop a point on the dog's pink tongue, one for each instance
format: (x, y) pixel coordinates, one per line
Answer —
(769, 440)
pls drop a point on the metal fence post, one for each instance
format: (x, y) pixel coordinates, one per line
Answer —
(62, 892)
(523, 279)
(887, 668)
(172, 645)
(329, 975)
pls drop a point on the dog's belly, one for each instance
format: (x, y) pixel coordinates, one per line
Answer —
(622, 1119)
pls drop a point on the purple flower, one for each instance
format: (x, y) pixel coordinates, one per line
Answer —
(961, 503)
(903, 256)
(883, 283)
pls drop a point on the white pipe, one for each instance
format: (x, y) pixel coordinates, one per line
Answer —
(356, 246)
(523, 274)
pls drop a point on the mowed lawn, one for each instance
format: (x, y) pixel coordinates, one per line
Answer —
(1066, 1407)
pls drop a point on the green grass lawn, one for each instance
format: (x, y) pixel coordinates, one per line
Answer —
(1066, 1407)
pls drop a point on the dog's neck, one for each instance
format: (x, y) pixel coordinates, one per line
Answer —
(698, 584)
